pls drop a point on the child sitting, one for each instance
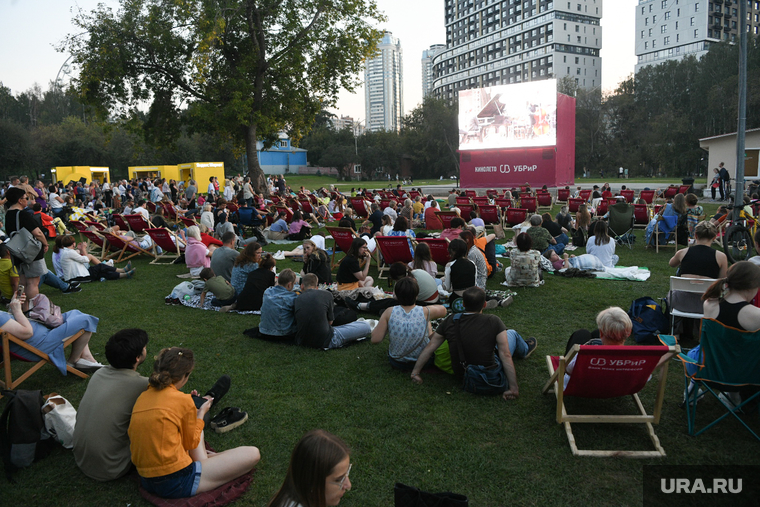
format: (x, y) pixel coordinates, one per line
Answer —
(221, 289)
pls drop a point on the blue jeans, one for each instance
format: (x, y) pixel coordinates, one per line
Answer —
(349, 333)
(559, 248)
(49, 278)
(562, 239)
(180, 484)
(517, 346)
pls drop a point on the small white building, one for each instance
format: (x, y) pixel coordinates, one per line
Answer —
(723, 149)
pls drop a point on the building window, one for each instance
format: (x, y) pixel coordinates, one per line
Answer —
(666, 41)
(696, 34)
(664, 29)
(664, 4)
(696, 7)
(667, 16)
(691, 22)
(283, 144)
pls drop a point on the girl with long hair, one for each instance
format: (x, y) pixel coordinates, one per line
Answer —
(245, 263)
(423, 259)
(351, 275)
(602, 246)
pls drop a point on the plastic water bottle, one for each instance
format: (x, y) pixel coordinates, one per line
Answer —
(187, 297)
(102, 279)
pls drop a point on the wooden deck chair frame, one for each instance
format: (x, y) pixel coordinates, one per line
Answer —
(439, 251)
(11, 383)
(390, 251)
(563, 194)
(122, 248)
(118, 219)
(555, 383)
(690, 285)
(544, 201)
(714, 373)
(656, 235)
(99, 242)
(170, 250)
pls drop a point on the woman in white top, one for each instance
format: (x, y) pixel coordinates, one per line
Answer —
(79, 266)
(55, 201)
(207, 217)
(602, 246)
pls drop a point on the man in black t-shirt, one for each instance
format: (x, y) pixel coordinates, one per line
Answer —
(315, 313)
(376, 218)
(477, 335)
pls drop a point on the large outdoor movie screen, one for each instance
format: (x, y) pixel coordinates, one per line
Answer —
(508, 116)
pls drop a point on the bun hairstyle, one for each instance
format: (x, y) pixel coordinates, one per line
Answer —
(171, 366)
(742, 275)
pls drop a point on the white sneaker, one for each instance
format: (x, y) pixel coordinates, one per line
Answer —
(280, 255)
(372, 322)
(84, 364)
(110, 262)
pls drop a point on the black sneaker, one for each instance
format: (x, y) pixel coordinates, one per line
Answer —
(352, 304)
(73, 284)
(219, 389)
(228, 419)
(72, 289)
(532, 344)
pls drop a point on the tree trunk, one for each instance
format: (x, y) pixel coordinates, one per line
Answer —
(258, 180)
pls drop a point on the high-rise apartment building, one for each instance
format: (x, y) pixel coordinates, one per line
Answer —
(673, 29)
(384, 86)
(427, 67)
(492, 42)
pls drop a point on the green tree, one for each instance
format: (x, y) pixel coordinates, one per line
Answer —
(430, 138)
(248, 68)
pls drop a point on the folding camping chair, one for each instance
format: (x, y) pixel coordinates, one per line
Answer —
(137, 223)
(170, 244)
(439, 251)
(610, 372)
(529, 204)
(7, 338)
(563, 194)
(692, 286)
(728, 359)
(445, 217)
(122, 248)
(392, 249)
(342, 237)
(544, 201)
(574, 203)
(621, 223)
(641, 216)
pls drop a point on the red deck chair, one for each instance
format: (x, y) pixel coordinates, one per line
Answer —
(544, 200)
(647, 196)
(384, 203)
(151, 206)
(463, 200)
(96, 225)
(470, 193)
(118, 219)
(232, 207)
(574, 203)
(171, 250)
(392, 249)
(670, 192)
(79, 225)
(170, 212)
(563, 194)
(98, 242)
(288, 212)
(683, 189)
(275, 198)
(529, 203)
(413, 194)
(602, 208)
(523, 189)
(137, 223)
(610, 372)
(306, 206)
(360, 207)
(492, 193)
(480, 201)
(464, 210)
(445, 217)
(585, 195)
(640, 216)
(490, 214)
(187, 221)
(125, 250)
(313, 199)
(42, 359)
(628, 194)
(516, 216)
(503, 202)
(439, 251)
(342, 237)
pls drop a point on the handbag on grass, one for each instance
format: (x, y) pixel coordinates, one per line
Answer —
(22, 244)
(498, 230)
(409, 496)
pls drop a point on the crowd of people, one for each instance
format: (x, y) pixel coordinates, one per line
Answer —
(150, 425)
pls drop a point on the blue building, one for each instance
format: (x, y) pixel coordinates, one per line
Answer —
(281, 158)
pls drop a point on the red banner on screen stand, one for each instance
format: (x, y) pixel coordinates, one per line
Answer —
(553, 166)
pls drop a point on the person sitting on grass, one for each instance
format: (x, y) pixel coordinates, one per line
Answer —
(525, 270)
(299, 229)
(315, 316)
(279, 229)
(472, 338)
(101, 443)
(456, 226)
(197, 255)
(407, 324)
(222, 290)
(224, 257)
(602, 246)
(166, 435)
(423, 259)
(401, 228)
(79, 266)
(245, 263)
(542, 240)
(316, 261)
(259, 280)
(318, 472)
(350, 274)
(278, 309)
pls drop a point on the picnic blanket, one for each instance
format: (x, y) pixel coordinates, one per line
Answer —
(632, 273)
(195, 302)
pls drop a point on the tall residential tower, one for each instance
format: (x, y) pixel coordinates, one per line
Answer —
(493, 42)
(384, 86)
(427, 67)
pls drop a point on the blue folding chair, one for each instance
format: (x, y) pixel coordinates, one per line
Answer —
(726, 360)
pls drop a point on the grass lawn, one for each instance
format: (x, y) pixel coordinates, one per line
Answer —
(432, 436)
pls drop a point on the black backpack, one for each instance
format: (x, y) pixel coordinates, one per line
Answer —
(23, 437)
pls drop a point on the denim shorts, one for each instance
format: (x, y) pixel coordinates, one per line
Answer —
(180, 484)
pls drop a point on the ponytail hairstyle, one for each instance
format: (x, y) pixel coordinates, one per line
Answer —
(171, 366)
(742, 275)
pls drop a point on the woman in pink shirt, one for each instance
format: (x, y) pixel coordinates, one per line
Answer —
(299, 229)
(197, 255)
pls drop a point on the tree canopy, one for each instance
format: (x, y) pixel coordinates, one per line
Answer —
(247, 69)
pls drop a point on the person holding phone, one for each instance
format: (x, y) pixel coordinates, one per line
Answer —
(166, 435)
(351, 275)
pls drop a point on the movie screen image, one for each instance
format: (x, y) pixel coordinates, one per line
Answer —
(508, 116)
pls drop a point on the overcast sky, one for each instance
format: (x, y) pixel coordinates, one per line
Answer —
(30, 30)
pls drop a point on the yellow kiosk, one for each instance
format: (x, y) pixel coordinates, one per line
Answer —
(170, 172)
(77, 172)
(201, 172)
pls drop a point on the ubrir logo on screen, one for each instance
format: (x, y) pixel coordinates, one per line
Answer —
(505, 168)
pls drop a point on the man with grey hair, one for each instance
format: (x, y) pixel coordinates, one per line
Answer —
(542, 240)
